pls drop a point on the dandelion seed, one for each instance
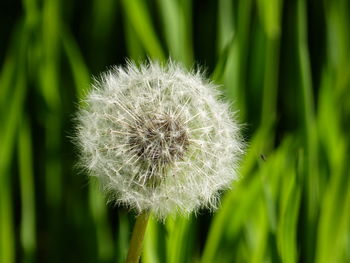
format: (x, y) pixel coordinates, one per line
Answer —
(159, 139)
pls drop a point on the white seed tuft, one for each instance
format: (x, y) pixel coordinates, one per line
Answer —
(159, 139)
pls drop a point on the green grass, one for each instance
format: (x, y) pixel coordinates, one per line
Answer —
(283, 64)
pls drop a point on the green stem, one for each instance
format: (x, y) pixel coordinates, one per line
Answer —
(138, 233)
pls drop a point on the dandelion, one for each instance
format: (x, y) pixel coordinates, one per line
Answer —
(159, 139)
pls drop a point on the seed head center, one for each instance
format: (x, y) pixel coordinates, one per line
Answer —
(159, 139)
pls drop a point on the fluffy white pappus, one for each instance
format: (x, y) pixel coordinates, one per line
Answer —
(159, 138)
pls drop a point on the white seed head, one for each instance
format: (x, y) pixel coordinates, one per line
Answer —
(158, 138)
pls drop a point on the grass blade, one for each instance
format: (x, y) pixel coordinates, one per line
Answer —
(28, 213)
(138, 16)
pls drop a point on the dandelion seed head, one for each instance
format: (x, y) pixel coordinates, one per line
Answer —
(158, 138)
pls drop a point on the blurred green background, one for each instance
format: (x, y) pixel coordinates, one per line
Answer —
(285, 64)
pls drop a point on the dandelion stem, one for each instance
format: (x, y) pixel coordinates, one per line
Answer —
(138, 234)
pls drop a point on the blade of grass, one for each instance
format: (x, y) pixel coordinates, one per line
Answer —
(28, 215)
(309, 129)
(49, 81)
(32, 14)
(50, 34)
(122, 237)
(98, 209)
(258, 234)
(269, 104)
(337, 22)
(259, 222)
(154, 250)
(49, 84)
(223, 217)
(218, 73)
(7, 137)
(9, 67)
(6, 76)
(288, 218)
(138, 16)
(334, 217)
(308, 107)
(174, 21)
(235, 71)
(225, 24)
(79, 69)
(133, 45)
(181, 239)
(270, 13)
(185, 7)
